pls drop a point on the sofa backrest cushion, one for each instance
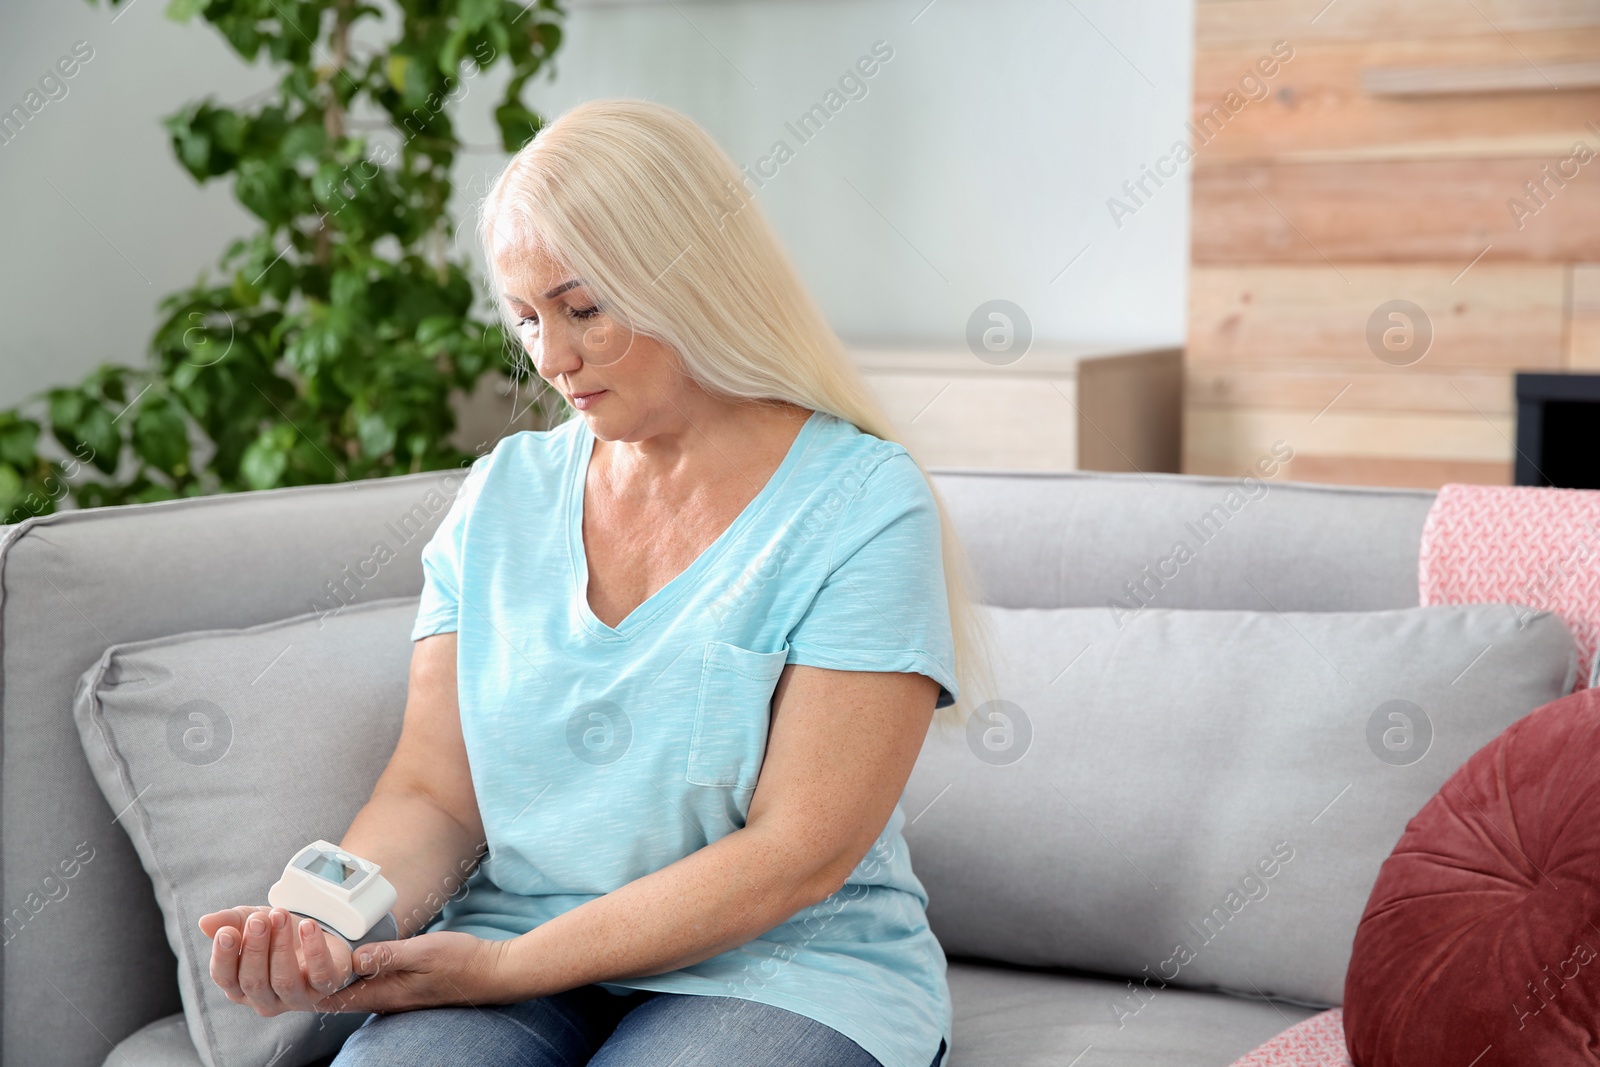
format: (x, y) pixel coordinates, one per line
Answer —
(1205, 797)
(1087, 539)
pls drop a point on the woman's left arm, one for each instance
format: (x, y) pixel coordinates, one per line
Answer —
(839, 752)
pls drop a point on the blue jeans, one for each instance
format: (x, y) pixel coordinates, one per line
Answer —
(588, 1025)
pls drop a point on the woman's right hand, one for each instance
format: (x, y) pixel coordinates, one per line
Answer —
(273, 960)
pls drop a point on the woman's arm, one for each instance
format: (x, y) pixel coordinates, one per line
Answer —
(422, 824)
(839, 753)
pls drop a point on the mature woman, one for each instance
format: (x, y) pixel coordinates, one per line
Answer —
(673, 663)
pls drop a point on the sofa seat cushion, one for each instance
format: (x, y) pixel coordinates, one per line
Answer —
(1479, 943)
(1041, 1018)
(165, 1043)
(1003, 1015)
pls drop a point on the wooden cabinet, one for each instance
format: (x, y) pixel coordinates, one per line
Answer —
(1057, 408)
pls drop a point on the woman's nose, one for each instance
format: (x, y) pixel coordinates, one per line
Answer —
(555, 355)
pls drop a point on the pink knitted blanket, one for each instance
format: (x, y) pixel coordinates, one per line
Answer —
(1517, 545)
(1315, 1042)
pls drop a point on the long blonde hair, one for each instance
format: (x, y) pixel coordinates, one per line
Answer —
(643, 204)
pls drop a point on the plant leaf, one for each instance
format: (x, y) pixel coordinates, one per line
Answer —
(161, 437)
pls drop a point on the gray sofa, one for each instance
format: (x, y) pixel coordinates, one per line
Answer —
(92, 972)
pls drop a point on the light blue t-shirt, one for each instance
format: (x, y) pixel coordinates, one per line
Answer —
(602, 754)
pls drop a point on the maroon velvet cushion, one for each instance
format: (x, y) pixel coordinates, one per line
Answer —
(1480, 944)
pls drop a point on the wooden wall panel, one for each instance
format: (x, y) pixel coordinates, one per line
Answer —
(1230, 21)
(1385, 470)
(1583, 332)
(1493, 316)
(1314, 389)
(1436, 210)
(1217, 439)
(1315, 109)
(1355, 448)
(1339, 186)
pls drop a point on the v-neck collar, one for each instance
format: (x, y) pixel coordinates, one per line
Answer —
(661, 598)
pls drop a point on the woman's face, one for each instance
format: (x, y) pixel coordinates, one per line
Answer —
(623, 383)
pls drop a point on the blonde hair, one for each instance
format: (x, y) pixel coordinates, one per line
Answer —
(643, 204)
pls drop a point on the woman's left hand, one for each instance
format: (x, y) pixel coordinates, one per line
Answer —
(430, 970)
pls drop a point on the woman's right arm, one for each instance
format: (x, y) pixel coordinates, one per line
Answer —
(421, 825)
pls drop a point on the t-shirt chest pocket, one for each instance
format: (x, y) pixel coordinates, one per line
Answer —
(732, 714)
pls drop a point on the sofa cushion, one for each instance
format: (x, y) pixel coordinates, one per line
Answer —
(165, 1043)
(1481, 931)
(1204, 798)
(1003, 1015)
(1028, 1018)
(1083, 538)
(199, 741)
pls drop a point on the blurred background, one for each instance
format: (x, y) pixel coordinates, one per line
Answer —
(1056, 234)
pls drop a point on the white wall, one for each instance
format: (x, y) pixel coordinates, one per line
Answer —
(977, 165)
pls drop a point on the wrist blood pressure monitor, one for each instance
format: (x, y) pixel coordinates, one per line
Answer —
(344, 893)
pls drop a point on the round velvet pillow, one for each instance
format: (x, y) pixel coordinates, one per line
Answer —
(1480, 944)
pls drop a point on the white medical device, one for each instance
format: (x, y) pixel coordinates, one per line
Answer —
(340, 891)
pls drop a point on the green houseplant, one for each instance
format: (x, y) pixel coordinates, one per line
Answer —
(332, 341)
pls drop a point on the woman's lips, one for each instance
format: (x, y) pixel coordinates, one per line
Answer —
(581, 401)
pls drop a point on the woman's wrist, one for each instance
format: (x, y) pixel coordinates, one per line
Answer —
(513, 968)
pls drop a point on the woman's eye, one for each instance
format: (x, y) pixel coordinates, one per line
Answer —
(586, 313)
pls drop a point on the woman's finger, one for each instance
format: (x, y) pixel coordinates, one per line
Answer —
(323, 973)
(211, 922)
(255, 979)
(225, 963)
(283, 965)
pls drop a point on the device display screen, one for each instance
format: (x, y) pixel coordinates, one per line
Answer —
(330, 869)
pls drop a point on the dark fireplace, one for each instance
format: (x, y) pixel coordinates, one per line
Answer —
(1558, 430)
